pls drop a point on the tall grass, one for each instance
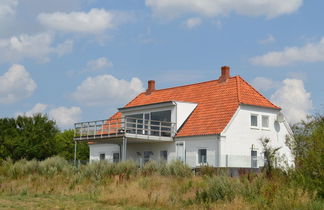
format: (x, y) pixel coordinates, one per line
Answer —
(156, 185)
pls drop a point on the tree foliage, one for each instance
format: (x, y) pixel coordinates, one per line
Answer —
(308, 148)
(36, 137)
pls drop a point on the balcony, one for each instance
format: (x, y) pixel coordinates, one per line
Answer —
(113, 129)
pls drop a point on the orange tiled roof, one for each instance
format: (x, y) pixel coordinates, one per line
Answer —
(217, 103)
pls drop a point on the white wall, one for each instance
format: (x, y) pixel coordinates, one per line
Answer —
(238, 137)
(184, 109)
(192, 144)
(107, 149)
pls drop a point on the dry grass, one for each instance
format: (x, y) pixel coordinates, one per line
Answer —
(25, 187)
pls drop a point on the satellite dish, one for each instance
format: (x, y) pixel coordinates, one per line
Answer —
(280, 117)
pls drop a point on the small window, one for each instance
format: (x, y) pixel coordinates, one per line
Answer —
(102, 156)
(254, 120)
(147, 156)
(163, 155)
(265, 121)
(116, 157)
(202, 156)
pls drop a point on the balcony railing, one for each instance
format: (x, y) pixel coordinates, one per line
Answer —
(126, 126)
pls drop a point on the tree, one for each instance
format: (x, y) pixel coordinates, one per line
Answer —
(28, 137)
(65, 145)
(270, 154)
(308, 149)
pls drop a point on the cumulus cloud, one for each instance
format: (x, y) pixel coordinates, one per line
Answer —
(93, 22)
(311, 52)
(7, 7)
(294, 100)
(98, 64)
(16, 84)
(64, 116)
(265, 84)
(106, 90)
(38, 108)
(37, 47)
(193, 22)
(212, 8)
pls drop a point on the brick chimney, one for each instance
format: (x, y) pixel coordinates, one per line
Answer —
(150, 87)
(225, 74)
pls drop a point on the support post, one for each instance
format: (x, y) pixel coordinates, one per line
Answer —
(124, 150)
(75, 151)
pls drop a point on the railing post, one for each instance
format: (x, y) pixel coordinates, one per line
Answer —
(160, 129)
(102, 126)
(136, 121)
(75, 151)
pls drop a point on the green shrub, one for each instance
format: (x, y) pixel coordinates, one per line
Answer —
(98, 170)
(54, 165)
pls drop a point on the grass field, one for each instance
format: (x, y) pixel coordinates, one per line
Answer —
(54, 184)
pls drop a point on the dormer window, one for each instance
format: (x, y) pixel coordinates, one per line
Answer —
(254, 120)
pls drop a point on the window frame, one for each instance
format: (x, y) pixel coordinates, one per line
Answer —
(268, 118)
(257, 122)
(102, 154)
(199, 159)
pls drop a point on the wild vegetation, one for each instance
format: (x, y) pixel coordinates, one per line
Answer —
(53, 182)
(37, 137)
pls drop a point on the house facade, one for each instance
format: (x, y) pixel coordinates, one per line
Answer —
(217, 123)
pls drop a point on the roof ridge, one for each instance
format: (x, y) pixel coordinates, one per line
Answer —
(258, 92)
(198, 83)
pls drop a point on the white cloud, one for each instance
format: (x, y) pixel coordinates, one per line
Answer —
(265, 84)
(311, 52)
(193, 22)
(16, 84)
(93, 22)
(107, 90)
(38, 108)
(7, 7)
(64, 116)
(270, 39)
(37, 47)
(99, 64)
(212, 8)
(294, 100)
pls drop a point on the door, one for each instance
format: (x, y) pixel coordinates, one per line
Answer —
(254, 159)
(181, 152)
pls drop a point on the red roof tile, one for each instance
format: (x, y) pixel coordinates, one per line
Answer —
(217, 103)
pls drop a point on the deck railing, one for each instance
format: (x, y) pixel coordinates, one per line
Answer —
(118, 127)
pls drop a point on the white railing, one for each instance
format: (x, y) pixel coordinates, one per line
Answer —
(118, 127)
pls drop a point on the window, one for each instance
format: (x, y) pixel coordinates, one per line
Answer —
(202, 156)
(116, 157)
(135, 123)
(147, 156)
(102, 156)
(254, 120)
(163, 155)
(265, 121)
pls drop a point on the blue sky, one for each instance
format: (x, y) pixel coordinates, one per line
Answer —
(79, 60)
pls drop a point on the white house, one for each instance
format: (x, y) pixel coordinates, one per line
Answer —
(218, 122)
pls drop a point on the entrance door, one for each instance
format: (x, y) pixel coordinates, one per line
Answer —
(254, 159)
(180, 150)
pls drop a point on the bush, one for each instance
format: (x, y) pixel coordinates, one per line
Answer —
(54, 165)
(98, 170)
(126, 168)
